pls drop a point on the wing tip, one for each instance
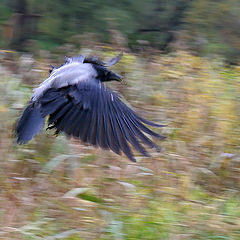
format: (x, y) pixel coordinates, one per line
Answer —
(133, 159)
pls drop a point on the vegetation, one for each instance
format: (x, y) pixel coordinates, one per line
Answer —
(206, 27)
(56, 188)
(181, 68)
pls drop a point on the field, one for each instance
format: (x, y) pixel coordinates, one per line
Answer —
(57, 188)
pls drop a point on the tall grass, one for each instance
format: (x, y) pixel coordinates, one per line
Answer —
(57, 188)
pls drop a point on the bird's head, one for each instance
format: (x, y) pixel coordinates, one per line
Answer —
(103, 73)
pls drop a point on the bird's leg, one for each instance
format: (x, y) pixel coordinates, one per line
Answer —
(50, 127)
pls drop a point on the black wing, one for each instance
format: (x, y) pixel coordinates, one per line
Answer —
(30, 123)
(97, 115)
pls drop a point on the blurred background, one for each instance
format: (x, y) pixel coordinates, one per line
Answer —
(181, 68)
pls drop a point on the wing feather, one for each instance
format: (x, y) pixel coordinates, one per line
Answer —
(129, 133)
(97, 115)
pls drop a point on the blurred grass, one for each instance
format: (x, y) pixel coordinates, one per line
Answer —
(55, 188)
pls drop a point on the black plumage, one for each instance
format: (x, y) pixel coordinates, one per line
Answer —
(80, 105)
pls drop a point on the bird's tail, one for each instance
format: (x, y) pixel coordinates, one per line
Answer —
(30, 123)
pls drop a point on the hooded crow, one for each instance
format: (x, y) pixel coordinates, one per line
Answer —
(80, 105)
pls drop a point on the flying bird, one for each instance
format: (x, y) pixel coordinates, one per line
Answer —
(80, 105)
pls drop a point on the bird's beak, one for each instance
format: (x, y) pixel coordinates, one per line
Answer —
(115, 76)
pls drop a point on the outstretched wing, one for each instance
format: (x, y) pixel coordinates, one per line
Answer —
(95, 114)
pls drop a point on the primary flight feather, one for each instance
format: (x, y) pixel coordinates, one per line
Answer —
(80, 105)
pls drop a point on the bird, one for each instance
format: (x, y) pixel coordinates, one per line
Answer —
(79, 104)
